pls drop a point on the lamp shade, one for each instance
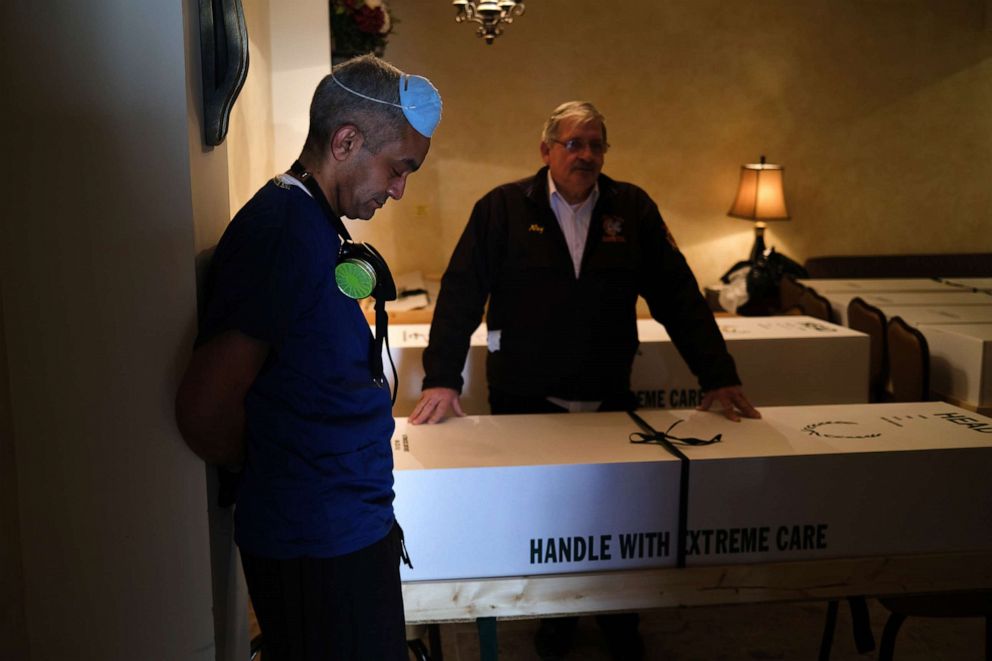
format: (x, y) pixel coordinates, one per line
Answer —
(760, 195)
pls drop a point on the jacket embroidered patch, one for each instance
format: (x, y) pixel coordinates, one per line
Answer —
(613, 229)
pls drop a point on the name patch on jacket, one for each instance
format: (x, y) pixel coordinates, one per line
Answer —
(613, 229)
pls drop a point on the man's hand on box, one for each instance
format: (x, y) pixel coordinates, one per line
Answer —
(435, 405)
(732, 402)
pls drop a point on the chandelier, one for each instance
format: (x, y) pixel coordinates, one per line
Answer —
(489, 14)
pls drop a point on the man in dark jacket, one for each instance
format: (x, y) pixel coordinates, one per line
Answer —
(561, 258)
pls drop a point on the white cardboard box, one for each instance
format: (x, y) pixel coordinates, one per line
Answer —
(781, 360)
(984, 284)
(407, 343)
(495, 496)
(952, 297)
(961, 362)
(940, 314)
(863, 285)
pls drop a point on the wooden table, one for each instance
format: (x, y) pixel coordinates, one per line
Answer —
(465, 600)
(487, 600)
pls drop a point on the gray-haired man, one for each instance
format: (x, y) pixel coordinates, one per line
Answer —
(561, 258)
(284, 377)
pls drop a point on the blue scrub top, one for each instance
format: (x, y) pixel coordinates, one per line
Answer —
(318, 478)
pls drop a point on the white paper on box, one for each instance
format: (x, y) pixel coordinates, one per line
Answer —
(781, 360)
(523, 495)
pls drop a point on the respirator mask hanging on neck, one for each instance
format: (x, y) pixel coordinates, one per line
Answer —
(360, 272)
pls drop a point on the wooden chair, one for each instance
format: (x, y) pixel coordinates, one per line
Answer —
(909, 377)
(909, 362)
(948, 604)
(815, 305)
(871, 321)
(873, 325)
(864, 641)
(789, 292)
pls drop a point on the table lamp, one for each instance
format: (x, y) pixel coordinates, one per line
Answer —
(760, 198)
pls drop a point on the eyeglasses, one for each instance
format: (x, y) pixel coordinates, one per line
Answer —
(577, 146)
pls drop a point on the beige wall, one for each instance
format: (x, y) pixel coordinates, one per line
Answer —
(98, 299)
(251, 136)
(251, 141)
(289, 54)
(878, 109)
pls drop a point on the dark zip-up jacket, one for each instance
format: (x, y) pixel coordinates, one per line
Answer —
(562, 336)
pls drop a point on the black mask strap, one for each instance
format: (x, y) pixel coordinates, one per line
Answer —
(305, 178)
(381, 318)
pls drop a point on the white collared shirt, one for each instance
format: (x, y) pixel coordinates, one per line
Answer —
(573, 219)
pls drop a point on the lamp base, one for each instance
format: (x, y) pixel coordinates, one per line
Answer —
(765, 271)
(758, 249)
(757, 253)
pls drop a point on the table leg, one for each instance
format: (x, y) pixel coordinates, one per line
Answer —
(434, 636)
(488, 641)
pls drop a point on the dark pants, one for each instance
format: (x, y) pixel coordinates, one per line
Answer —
(503, 403)
(347, 608)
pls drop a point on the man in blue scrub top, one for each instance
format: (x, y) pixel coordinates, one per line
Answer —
(281, 381)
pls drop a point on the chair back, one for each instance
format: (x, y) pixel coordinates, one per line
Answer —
(789, 293)
(815, 305)
(871, 321)
(909, 362)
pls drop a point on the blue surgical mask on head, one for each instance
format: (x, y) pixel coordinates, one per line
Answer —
(419, 101)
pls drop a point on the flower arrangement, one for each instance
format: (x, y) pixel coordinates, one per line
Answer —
(359, 26)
